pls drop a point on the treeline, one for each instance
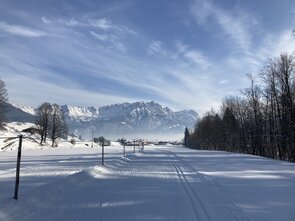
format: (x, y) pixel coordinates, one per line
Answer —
(3, 100)
(260, 121)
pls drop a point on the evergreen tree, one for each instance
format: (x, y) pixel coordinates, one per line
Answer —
(186, 137)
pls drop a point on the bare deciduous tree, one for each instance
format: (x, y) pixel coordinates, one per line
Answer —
(57, 124)
(262, 118)
(42, 120)
(50, 120)
(3, 100)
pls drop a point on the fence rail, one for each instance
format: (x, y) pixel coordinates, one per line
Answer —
(5, 137)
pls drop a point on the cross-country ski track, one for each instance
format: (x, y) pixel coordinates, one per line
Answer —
(159, 183)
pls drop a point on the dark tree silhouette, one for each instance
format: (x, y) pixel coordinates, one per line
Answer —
(50, 120)
(58, 126)
(260, 121)
(186, 137)
(42, 120)
(3, 100)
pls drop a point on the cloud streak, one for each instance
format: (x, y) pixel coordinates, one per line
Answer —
(103, 24)
(193, 55)
(21, 30)
(155, 47)
(56, 93)
(235, 25)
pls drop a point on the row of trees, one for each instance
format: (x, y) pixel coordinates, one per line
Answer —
(3, 100)
(50, 121)
(260, 121)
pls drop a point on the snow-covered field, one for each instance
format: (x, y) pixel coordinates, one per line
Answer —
(161, 183)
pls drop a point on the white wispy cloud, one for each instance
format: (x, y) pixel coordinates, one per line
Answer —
(24, 66)
(107, 25)
(102, 29)
(21, 30)
(234, 24)
(183, 52)
(198, 58)
(194, 90)
(102, 23)
(193, 55)
(155, 47)
(202, 10)
(113, 41)
(272, 45)
(120, 46)
(50, 92)
(45, 20)
(70, 22)
(276, 44)
(223, 82)
(102, 37)
(234, 27)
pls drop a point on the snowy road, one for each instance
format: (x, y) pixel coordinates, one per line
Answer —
(162, 183)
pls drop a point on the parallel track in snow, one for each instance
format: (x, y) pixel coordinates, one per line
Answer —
(231, 211)
(199, 209)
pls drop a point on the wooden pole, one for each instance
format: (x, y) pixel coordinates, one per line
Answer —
(102, 153)
(18, 167)
(134, 147)
(124, 150)
(92, 139)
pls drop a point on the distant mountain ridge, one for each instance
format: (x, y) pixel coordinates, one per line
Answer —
(77, 113)
(17, 114)
(125, 119)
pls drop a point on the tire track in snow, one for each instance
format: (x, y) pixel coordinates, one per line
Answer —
(198, 208)
(232, 209)
(10, 173)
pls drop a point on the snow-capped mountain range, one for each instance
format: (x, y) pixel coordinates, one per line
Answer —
(123, 120)
(80, 114)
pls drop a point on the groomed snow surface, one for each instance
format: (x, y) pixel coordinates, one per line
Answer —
(160, 183)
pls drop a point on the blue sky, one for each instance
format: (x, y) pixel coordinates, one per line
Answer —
(186, 54)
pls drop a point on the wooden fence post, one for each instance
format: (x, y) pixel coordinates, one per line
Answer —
(18, 167)
(102, 153)
(124, 150)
